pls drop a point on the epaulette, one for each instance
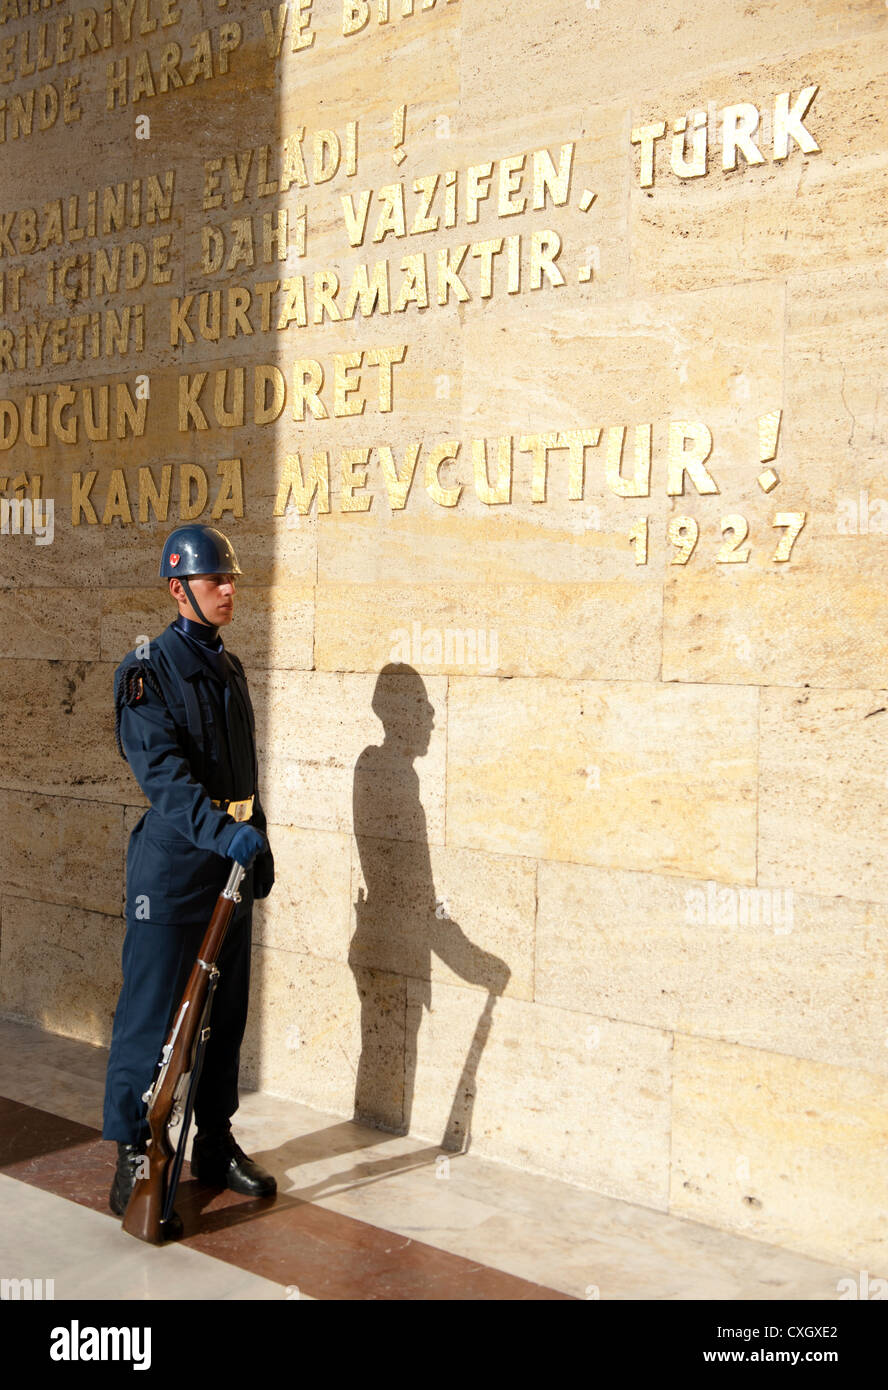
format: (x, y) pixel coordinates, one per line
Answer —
(131, 690)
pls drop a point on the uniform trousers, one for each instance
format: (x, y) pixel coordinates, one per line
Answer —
(157, 961)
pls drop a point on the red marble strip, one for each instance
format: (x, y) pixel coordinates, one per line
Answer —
(306, 1248)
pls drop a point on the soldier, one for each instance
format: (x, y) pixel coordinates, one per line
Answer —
(185, 725)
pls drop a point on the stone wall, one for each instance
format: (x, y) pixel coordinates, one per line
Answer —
(540, 351)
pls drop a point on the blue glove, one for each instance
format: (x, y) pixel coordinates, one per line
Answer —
(246, 844)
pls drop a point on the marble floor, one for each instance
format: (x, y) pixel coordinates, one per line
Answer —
(360, 1215)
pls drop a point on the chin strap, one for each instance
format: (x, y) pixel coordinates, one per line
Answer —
(192, 600)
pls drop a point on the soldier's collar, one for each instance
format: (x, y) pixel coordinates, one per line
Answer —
(184, 656)
(201, 632)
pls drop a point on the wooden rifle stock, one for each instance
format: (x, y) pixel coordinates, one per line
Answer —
(144, 1213)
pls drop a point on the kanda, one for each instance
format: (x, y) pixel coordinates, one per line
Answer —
(130, 499)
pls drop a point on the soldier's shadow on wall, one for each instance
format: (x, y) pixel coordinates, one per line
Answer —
(401, 922)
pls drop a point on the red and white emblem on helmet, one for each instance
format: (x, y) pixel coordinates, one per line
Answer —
(174, 560)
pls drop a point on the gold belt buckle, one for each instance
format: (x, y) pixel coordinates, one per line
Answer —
(238, 810)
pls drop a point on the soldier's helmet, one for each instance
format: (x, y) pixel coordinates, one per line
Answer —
(197, 550)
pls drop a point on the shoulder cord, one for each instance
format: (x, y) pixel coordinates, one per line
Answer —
(130, 691)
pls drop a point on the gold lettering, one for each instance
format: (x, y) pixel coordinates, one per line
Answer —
(191, 475)
(230, 497)
(353, 464)
(303, 490)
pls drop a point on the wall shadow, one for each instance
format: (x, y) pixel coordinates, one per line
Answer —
(400, 922)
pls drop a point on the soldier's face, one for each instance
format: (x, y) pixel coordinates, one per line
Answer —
(215, 594)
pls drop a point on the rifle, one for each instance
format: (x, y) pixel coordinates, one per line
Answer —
(151, 1203)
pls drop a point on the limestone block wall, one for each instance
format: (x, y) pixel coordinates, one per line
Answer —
(538, 353)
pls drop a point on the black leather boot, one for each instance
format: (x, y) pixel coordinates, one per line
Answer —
(129, 1157)
(218, 1161)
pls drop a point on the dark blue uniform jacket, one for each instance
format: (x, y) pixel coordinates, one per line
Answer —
(187, 729)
